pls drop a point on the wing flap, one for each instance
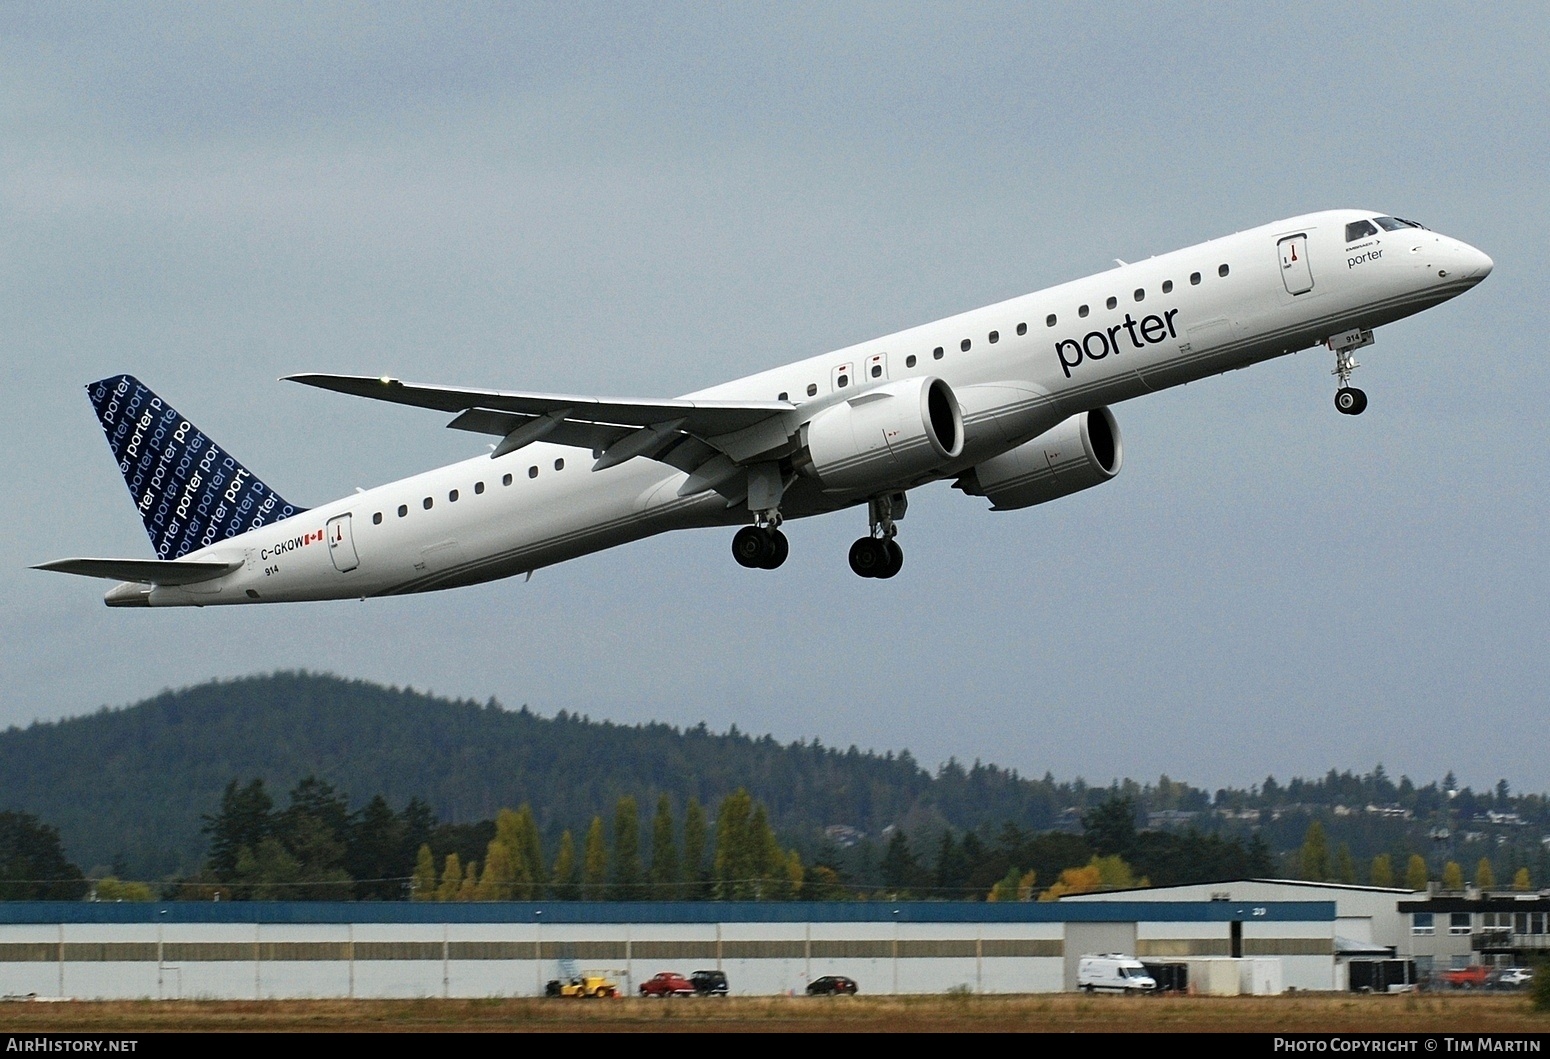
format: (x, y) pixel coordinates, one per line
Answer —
(145, 571)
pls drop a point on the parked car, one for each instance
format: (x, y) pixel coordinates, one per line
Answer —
(1515, 978)
(1113, 971)
(1474, 976)
(591, 986)
(709, 983)
(832, 985)
(667, 984)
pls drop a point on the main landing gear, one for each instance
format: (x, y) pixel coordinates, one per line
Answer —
(1348, 399)
(878, 554)
(760, 547)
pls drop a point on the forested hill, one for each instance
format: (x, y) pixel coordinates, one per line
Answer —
(131, 785)
(128, 788)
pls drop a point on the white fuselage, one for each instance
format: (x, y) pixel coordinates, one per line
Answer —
(1018, 367)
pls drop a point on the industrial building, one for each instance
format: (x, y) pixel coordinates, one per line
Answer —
(259, 950)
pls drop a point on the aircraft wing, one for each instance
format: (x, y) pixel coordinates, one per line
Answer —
(704, 418)
(621, 427)
(146, 571)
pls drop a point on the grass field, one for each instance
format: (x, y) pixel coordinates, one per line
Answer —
(1341, 1013)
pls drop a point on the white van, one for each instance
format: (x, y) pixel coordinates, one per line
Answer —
(1111, 970)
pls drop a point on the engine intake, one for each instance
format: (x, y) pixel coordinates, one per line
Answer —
(1083, 451)
(884, 437)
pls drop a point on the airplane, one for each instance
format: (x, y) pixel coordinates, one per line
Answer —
(1010, 402)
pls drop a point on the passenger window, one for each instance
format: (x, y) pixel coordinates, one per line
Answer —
(559, 465)
(812, 389)
(1082, 312)
(995, 336)
(427, 502)
(403, 509)
(877, 371)
(842, 380)
(1022, 329)
(1140, 294)
(964, 345)
(1194, 279)
(1167, 286)
(1359, 230)
(452, 497)
(506, 480)
(909, 361)
(1222, 271)
(478, 487)
(784, 396)
(1049, 321)
(376, 520)
(936, 354)
(532, 472)
(1112, 302)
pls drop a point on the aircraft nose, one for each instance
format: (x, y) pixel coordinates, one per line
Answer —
(1480, 264)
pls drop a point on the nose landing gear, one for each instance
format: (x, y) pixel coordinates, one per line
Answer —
(878, 554)
(1348, 399)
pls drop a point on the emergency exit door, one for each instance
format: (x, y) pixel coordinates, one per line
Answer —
(1295, 272)
(341, 544)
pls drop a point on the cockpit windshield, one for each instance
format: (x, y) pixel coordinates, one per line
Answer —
(1394, 224)
(1359, 230)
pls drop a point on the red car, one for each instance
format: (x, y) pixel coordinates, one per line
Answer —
(1471, 977)
(667, 984)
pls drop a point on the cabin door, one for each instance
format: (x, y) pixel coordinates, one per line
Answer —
(341, 545)
(1295, 272)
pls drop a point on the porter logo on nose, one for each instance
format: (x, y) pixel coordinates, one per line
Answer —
(1095, 345)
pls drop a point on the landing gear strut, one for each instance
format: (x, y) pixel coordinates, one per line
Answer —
(878, 554)
(762, 546)
(1348, 399)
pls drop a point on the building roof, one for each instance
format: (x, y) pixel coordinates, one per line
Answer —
(544, 912)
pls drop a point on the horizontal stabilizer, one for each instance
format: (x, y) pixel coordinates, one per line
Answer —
(147, 571)
(700, 418)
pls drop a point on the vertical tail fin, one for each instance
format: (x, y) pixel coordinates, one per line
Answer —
(190, 491)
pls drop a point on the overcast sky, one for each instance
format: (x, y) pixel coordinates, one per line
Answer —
(649, 199)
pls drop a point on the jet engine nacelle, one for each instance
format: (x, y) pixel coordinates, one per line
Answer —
(1081, 452)
(886, 436)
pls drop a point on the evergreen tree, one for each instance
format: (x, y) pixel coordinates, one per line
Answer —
(1345, 865)
(374, 852)
(1111, 827)
(1416, 875)
(423, 885)
(1383, 870)
(695, 832)
(665, 874)
(565, 885)
(243, 820)
(33, 866)
(627, 871)
(735, 870)
(952, 868)
(900, 871)
(594, 876)
(1314, 857)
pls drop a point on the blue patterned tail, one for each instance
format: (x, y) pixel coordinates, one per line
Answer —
(190, 492)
